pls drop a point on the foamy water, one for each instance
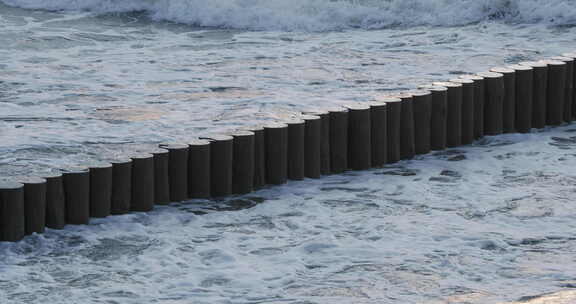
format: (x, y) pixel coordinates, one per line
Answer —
(483, 224)
(480, 224)
(89, 86)
(322, 15)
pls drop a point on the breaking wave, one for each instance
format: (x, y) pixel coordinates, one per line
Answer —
(326, 15)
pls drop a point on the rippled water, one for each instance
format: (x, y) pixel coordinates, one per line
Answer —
(485, 223)
(491, 222)
(83, 86)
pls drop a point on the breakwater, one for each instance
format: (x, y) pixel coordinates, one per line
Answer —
(331, 140)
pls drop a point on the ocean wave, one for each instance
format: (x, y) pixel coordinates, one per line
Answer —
(326, 15)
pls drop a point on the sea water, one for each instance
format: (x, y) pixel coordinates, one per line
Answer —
(88, 79)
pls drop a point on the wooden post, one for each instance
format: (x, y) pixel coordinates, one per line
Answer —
(406, 127)
(453, 114)
(259, 153)
(393, 118)
(438, 120)
(468, 90)
(509, 100)
(161, 176)
(422, 102)
(34, 204)
(243, 162)
(276, 141)
(539, 95)
(296, 139)
(573, 56)
(55, 200)
(324, 139)
(100, 189)
(177, 171)
(479, 92)
(494, 102)
(199, 176)
(569, 86)
(312, 145)
(338, 139)
(359, 136)
(142, 196)
(12, 223)
(221, 157)
(77, 193)
(121, 185)
(524, 97)
(378, 133)
(555, 93)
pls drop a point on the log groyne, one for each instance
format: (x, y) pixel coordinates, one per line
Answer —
(331, 140)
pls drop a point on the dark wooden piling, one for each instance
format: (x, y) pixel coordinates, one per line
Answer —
(468, 91)
(406, 127)
(221, 157)
(438, 122)
(359, 136)
(296, 139)
(77, 194)
(142, 189)
(378, 133)
(524, 97)
(312, 145)
(324, 139)
(568, 87)
(407, 146)
(453, 113)
(12, 223)
(55, 200)
(243, 162)
(121, 185)
(573, 56)
(479, 93)
(422, 104)
(393, 119)
(100, 189)
(356, 136)
(177, 170)
(199, 164)
(555, 92)
(276, 141)
(161, 176)
(34, 203)
(539, 93)
(509, 99)
(338, 139)
(494, 102)
(259, 156)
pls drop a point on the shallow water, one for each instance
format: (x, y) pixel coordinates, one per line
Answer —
(485, 223)
(77, 85)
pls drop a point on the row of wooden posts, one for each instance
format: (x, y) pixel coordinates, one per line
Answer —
(356, 136)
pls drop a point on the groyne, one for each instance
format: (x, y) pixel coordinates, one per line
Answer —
(332, 140)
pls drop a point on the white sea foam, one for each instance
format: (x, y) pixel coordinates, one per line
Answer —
(495, 226)
(322, 15)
